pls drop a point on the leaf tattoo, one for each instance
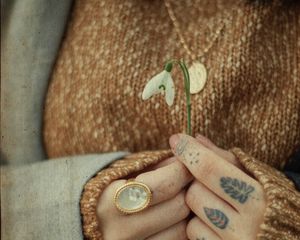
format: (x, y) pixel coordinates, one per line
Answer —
(216, 217)
(238, 190)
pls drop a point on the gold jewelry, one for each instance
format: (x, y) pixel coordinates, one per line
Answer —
(180, 35)
(132, 197)
(197, 71)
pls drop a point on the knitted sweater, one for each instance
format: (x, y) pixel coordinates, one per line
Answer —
(250, 103)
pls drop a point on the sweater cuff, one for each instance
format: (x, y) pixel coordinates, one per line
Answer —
(282, 215)
(93, 189)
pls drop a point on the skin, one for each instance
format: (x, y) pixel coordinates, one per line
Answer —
(202, 193)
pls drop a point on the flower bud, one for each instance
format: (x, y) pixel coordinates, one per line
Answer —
(168, 66)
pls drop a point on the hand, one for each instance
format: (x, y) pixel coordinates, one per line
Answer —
(228, 203)
(164, 219)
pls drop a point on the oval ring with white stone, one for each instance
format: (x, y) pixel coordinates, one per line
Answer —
(132, 197)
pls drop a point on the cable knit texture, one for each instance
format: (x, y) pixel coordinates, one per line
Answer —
(251, 98)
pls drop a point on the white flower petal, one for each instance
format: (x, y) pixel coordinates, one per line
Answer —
(170, 90)
(152, 87)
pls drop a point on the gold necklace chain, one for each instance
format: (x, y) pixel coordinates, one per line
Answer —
(180, 35)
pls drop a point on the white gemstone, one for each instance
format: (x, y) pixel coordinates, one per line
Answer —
(132, 198)
(198, 76)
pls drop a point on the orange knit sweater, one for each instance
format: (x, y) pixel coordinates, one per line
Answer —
(251, 99)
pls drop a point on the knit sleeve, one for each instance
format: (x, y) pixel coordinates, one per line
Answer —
(282, 216)
(93, 189)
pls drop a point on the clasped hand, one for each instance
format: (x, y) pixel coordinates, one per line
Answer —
(202, 193)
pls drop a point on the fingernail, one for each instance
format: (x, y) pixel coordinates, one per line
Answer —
(174, 139)
(204, 140)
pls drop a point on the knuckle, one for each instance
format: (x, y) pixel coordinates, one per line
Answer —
(180, 230)
(190, 196)
(105, 204)
(206, 168)
(159, 186)
(163, 188)
(142, 176)
(181, 205)
(185, 210)
(258, 204)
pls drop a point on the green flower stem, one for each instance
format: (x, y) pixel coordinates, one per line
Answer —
(168, 67)
(187, 93)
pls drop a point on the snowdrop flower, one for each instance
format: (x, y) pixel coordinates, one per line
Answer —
(161, 83)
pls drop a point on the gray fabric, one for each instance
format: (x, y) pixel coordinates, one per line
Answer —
(38, 200)
(41, 200)
(31, 32)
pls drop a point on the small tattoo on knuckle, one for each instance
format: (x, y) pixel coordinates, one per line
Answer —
(180, 147)
(187, 151)
(216, 217)
(236, 189)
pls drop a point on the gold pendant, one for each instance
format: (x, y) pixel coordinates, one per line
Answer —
(198, 77)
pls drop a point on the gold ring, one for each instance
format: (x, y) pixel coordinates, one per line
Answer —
(132, 197)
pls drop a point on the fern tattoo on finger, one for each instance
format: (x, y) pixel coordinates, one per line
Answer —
(216, 217)
(236, 189)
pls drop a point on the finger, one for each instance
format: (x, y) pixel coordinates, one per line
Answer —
(159, 217)
(145, 223)
(166, 182)
(163, 163)
(220, 176)
(228, 156)
(198, 230)
(176, 231)
(212, 210)
(153, 167)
